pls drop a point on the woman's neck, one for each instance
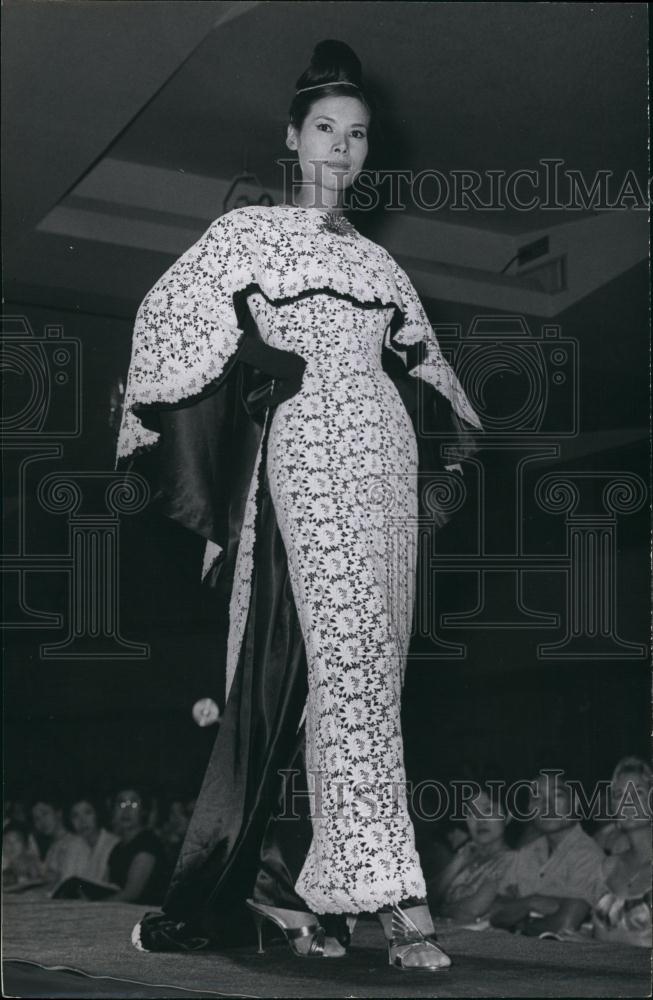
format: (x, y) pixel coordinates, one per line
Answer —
(490, 849)
(92, 837)
(310, 196)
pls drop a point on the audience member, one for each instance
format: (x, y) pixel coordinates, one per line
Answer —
(554, 881)
(67, 854)
(137, 861)
(21, 865)
(173, 830)
(623, 913)
(609, 836)
(468, 886)
(85, 821)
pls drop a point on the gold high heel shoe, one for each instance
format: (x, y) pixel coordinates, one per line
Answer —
(314, 930)
(406, 937)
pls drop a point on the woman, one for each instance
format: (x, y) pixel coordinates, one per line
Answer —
(137, 861)
(21, 866)
(272, 379)
(468, 886)
(67, 854)
(84, 819)
(172, 831)
(623, 913)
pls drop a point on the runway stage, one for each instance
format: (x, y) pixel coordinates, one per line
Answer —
(43, 939)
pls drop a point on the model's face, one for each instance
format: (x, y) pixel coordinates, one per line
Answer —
(629, 797)
(332, 142)
(485, 822)
(47, 820)
(83, 819)
(128, 812)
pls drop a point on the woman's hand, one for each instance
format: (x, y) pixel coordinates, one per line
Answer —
(544, 905)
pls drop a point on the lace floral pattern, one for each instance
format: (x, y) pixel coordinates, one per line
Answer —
(342, 467)
(434, 368)
(186, 328)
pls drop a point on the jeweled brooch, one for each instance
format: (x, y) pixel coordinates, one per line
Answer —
(333, 222)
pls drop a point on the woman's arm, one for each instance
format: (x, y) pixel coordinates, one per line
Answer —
(447, 876)
(139, 872)
(557, 914)
(568, 917)
(473, 906)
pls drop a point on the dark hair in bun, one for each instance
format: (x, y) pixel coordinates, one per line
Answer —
(335, 70)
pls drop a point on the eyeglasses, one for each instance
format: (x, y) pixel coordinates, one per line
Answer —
(128, 804)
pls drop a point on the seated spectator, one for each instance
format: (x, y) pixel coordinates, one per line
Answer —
(456, 834)
(137, 861)
(526, 833)
(623, 913)
(609, 836)
(84, 819)
(173, 830)
(67, 854)
(468, 886)
(554, 881)
(21, 865)
(15, 815)
(13, 811)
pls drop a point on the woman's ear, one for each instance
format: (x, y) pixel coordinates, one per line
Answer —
(291, 137)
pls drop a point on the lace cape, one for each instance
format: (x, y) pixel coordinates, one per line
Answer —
(186, 329)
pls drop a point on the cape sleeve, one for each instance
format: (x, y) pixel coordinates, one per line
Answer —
(186, 330)
(424, 356)
(199, 384)
(444, 409)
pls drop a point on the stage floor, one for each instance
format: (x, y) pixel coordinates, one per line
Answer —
(47, 944)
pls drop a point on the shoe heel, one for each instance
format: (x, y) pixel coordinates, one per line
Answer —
(258, 920)
(292, 934)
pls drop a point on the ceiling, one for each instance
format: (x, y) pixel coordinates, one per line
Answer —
(193, 90)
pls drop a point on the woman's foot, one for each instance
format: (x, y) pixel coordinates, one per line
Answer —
(411, 939)
(303, 931)
(294, 918)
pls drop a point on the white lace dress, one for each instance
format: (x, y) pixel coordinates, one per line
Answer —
(342, 469)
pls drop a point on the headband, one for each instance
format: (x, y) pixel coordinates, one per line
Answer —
(330, 83)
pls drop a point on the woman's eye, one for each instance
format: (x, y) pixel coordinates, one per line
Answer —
(358, 133)
(323, 125)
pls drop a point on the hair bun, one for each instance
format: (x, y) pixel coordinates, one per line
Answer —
(332, 62)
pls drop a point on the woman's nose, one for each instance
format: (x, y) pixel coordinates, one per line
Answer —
(340, 145)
